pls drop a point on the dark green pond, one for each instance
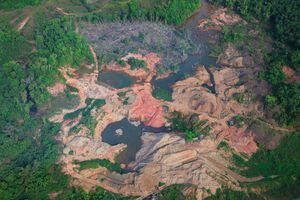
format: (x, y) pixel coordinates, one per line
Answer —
(131, 136)
(115, 79)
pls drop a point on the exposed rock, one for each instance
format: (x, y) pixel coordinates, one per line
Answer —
(233, 58)
(239, 140)
(146, 108)
(119, 132)
(141, 74)
(190, 96)
(56, 89)
(218, 19)
(135, 123)
(168, 158)
(86, 149)
(290, 74)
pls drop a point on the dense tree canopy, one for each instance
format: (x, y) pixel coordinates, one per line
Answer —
(28, 150)
(170, 11)
(13, 98)
(12, 44)
(58, 38)
(12, 4)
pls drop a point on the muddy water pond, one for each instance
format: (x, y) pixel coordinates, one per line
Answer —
(115, 79)
(129, 134)
(201, 58)
(187, 68)
(125, 132)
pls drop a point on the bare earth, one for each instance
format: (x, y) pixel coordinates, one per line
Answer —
(164, 157)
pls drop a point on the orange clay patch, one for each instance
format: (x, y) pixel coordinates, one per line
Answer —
(146, 108)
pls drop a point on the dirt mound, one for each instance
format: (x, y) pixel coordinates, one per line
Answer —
(218, 19)
(233, 58)
(290, 74)
(239, 140)
(56, 89)
(191, 96)
(167, 158)
(146, 108)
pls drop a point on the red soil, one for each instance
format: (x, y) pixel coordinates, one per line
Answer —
(238, 139)
(290, 74)
(56, 89)
(146, 108)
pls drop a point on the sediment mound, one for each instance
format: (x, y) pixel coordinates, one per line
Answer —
(218, 19)
(190, 96)
(146, 108)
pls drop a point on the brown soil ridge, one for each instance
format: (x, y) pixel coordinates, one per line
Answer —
(23, 23)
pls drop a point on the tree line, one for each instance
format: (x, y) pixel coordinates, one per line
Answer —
(170, 11)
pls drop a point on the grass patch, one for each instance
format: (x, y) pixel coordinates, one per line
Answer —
(122, 63)
(172, 192)
(160, 184)
(97, 163)
(71, 89)
(86, 119)
(190, 125)
(244, 98)
(73, 115)
(163, 94)
(136, 63)
(122, 97)
(224, 145)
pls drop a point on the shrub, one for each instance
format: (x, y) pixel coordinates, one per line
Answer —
(163, 94)
(136, 63)
(189, 125)
(122, 63)
(99, 162)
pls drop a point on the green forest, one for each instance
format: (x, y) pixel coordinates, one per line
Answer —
(13, 4)
(169, 11)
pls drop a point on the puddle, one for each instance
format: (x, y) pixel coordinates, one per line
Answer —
(83, 70)
(115, 79)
